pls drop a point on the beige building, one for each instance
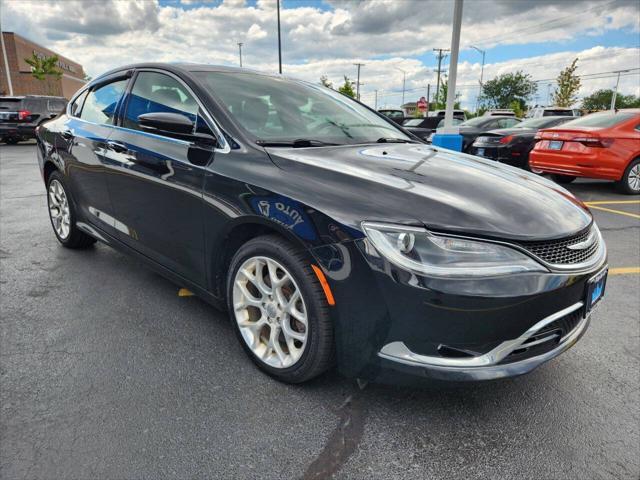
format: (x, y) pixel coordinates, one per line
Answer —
(15, 72)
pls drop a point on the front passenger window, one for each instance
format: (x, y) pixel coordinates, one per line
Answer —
(101, 104)
(156, 92)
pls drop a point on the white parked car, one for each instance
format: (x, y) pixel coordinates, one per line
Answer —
(538, 112)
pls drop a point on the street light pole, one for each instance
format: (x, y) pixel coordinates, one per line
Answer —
(404, 83)
(615, 92)
(453, 64)
(279, 40)
(358, 80)
(481, 76)
(240, 52)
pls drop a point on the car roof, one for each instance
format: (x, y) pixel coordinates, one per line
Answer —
(187, 67)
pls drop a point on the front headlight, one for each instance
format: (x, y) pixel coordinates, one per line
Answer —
(419, 251)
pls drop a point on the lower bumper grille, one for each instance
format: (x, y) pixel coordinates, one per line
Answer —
(547, 338)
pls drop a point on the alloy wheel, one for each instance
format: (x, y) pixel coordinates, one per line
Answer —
(634, 178)
(59, 209)
(270, 312)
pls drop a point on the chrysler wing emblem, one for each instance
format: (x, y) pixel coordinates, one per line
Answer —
(585, 243)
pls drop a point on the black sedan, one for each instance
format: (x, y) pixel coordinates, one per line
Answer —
(329, 235)
(471, 129)
(512, 145)
(424, 127)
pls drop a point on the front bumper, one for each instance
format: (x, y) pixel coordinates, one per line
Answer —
(390, 322)
(488, 366)
(17, 130)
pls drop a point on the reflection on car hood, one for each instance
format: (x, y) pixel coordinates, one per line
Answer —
(445, 190)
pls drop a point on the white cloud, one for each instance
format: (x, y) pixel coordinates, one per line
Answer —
(383, 34)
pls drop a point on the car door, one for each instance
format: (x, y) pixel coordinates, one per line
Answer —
(157, 180)
(81, 145)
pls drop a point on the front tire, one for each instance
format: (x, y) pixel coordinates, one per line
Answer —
(63, 216)
(563, 179)
(630, 181)
(279, 311)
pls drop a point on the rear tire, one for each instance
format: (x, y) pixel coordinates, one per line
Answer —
(286, 330)
(630, 181)
(11, 141)
(563, 179)
(62, 214)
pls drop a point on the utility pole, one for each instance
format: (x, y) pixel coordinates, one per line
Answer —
(481, 75)
(358, 80)
(279, 41)
(376, 102)
(404, 83)
(615, 91)
(426, 114)
(440, 58)
(548, 94)
(240, 51)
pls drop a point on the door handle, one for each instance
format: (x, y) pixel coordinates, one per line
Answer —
(117, 146)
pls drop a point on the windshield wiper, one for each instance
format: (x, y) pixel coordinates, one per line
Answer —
(394, 140)
(297, 143)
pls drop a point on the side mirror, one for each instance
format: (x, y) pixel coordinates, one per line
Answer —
(172, 124)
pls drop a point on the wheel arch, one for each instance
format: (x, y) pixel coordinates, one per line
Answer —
(236, 234)
(48, 168)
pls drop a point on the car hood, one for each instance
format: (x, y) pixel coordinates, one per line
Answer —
(420, 184)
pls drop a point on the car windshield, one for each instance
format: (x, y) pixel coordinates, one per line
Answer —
(281, 110)
(600, 120)
(540, 122)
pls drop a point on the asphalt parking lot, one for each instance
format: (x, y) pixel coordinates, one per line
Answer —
(106, 372)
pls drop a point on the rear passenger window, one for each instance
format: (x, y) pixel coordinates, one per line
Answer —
(155, 92)
(76, 106)
(56, 106)
(101, 104)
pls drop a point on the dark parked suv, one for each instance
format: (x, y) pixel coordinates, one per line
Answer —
(19, 116)
(329, 234)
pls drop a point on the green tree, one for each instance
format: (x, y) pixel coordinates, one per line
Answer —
(347, 88)
(568, 86)
(503, 90)
(441, 96)
(518, 109)
(45, 69)
(324, 81)
(601, 100)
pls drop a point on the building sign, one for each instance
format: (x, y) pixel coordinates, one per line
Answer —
(62, 65)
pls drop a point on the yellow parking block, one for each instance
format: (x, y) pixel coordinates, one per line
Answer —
(624, 270)
(183, 292)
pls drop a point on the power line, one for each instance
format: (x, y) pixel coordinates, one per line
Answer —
(588, 76)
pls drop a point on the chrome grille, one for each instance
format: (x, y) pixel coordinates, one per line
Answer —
(557, 252)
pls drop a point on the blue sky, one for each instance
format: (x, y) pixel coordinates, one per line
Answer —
(327, 37)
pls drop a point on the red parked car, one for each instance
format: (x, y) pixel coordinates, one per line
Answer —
(603, 145)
